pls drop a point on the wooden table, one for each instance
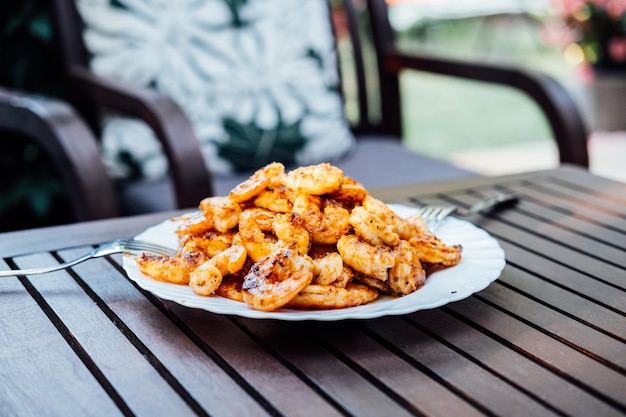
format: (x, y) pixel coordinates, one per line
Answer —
(547, 338)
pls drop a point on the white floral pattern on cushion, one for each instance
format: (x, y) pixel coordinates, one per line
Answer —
(257, 78)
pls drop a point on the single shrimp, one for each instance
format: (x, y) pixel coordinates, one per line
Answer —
(223, 212)
(230, 288)
(315, 179)
(276, 279)
(257, 182)
(327, 226)
(419, 222)
(231, 284)
(372, 229)
(407, 275)
(432, 250)
(195, 224)
(381, 286)
(210, 243)
(327, 268)
(351, 192)
(405, 229)
(374, 261)
(277, 198)
(251, 235)
(175, 269)
(334, 223)
(347, 273)
(207, 277)
(309, 207)
(331, 297)
(290, 230)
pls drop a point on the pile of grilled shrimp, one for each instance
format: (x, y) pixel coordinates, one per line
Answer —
(309, 238)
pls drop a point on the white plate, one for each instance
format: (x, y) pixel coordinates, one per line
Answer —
(481, 264)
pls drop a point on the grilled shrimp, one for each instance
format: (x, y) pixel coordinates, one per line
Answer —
(432, 250)
(327, 226)
(231, 284)
(347, 273)
(290, 230)
(374, 261)
(309, 207)
(230, 288)
(252, 236)
(195, 224)
(382, 286)
(334, 223)
(331, 297)
(223, 212)
(276, 279)
(207, 277)
(276, 198)
(404, 228)
(372, 229)
(419, 222)
(315, 179)
(407, 275)
(351, 192)
(257, 182)
(175, 269)
(327, 268)
(210, 243)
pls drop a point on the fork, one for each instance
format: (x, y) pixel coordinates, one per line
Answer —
(107, 248)
(434, 215)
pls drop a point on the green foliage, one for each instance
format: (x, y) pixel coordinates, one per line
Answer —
(600, 28)
(31, 193)
(30, 58)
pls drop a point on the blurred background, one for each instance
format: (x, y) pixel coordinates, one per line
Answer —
(31, 193)
(492, 130)
(539, 34)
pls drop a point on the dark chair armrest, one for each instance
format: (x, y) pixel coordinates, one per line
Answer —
(191, 179)
(56, 127)
(560, 109)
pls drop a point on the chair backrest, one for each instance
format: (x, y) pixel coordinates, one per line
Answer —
(377, 89)
(362, 29)
(366, 39)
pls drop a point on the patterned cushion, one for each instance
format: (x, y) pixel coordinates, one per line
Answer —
(257, 78)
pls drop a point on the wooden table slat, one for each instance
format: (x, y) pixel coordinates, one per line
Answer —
(39, 373)
(266, 373)
(579, 232)
(587, 339)
(563, 288)
(358, 395)
(609, 195)
(590, 215)
(493, 394)
(203, 382)
(603, 382)
(586, 263)
(411, 383)
(104, 343)
(519, 369)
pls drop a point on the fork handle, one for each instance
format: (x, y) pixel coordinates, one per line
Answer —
(46, 269)
(489, 203)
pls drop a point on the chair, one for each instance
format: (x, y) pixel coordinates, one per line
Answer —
(377, 159)
(62, 133)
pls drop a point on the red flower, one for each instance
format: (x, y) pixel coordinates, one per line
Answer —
(617, 48)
